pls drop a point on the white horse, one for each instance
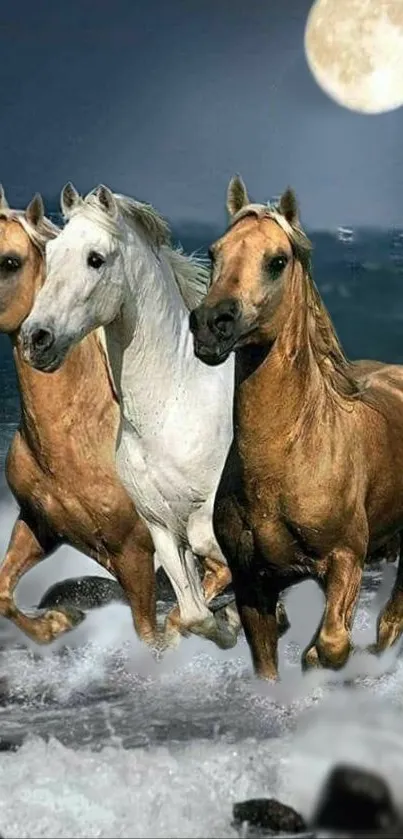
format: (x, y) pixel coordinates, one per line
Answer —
(112, 266)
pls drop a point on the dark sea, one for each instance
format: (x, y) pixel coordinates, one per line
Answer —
(115, 744)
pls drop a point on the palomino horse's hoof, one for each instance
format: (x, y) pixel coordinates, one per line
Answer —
(310, 659)
(63, 619)
(45, 625)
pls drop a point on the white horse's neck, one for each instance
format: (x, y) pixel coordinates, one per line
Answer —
(149, 346)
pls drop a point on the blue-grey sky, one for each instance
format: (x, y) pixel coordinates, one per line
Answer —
(166, 99)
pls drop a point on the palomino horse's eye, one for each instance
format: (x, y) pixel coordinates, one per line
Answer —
(10, 264)
(276, 265)
(95, 260)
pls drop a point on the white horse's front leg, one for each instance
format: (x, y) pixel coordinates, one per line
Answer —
(192, 614)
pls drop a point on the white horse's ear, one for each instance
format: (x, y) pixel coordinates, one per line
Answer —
(35, 210)
(107, 200)
(3, 200)
(69, 198)
(288, 206)
(237, 196)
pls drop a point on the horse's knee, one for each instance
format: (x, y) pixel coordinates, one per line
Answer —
(7, 606)
(310, 658)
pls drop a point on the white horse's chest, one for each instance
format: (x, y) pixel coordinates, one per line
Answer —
(162, 477)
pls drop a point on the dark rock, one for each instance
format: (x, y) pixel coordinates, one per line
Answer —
(354, 799)
(83, 592)
(91, 592)
(10, 744)
(268, 814)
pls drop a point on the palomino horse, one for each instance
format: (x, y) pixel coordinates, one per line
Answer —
(112, 266)
(313, 481)
(61, 464)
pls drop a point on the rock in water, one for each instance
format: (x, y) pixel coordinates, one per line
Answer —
(268, 814)
(354, 799)
(84, 593)
(8, 744)
(91, 592)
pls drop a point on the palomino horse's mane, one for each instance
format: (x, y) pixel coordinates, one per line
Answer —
(39, 234)
(336, 369)
(191, 272)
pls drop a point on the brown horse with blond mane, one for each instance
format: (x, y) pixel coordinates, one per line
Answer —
(313, 482)
(61, 463)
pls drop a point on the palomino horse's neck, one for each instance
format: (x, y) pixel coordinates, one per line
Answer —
(149, 345)
(283, 388)
(53, 404)
(268, 393)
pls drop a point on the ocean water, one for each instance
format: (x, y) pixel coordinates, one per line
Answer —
(114, 744)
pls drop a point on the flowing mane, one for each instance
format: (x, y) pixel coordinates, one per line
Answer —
(39, 235)
(335, 367)
(191, 272)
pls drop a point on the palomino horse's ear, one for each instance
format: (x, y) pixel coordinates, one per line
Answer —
(237, 196)
(69, 197)
(3, 200)
(35, 210)
(288, 206)
(107, 200)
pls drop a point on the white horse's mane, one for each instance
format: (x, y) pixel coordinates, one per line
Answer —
(39, 234)
(191, 272)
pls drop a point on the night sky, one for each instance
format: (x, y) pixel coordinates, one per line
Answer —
(166, 99)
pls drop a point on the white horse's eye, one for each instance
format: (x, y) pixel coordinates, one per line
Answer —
(95, 260)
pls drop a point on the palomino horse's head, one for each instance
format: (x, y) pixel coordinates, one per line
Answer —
(251, 265)
(23, 235)
(85, 277)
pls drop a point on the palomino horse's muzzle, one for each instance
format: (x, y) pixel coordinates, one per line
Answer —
(215, 330)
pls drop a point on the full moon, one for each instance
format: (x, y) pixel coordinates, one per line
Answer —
(354, 49)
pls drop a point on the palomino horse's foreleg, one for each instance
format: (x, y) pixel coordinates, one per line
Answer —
(25, 550)
(257, 602)
(134, 569)
(390, 620)
(332, 642)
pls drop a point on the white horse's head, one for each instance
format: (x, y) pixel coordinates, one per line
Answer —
(105, 255)
(85, 280)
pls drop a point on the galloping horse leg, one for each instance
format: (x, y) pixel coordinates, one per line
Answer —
(331, 644)
(257, 603)
(25, 550)
(133, 567)
(390, 619)
(218, 576)
(193, 615)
